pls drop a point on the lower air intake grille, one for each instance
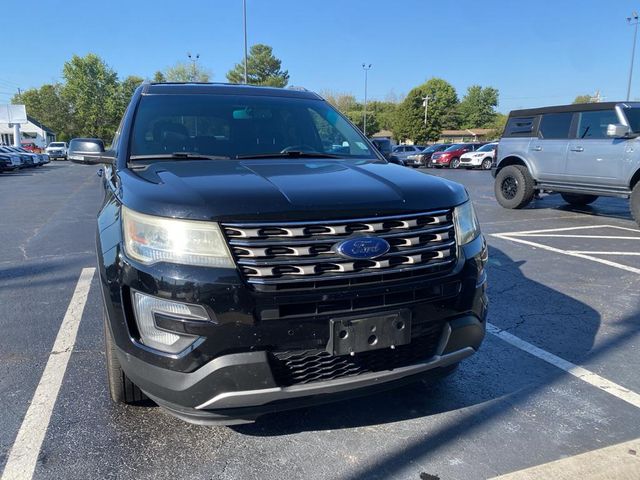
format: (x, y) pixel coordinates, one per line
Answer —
(307, 366)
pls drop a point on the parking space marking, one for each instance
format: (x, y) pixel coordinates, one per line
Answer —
(620, 462)
(26, 448)
(579, 372)
(550, 233)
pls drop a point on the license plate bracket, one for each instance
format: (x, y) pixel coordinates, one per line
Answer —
(372, 332)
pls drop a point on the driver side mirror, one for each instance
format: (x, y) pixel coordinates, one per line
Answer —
(90, 151)
(617, 130)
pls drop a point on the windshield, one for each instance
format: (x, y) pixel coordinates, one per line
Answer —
(454, 147)
(56, 144)
(487, 148)
(633, 116)
(430, 149)
(235, 126)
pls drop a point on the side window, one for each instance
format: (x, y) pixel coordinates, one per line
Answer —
(520, 127)
(555, 126)
(593, 125)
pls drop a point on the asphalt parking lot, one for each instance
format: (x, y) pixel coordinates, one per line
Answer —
(557, 375)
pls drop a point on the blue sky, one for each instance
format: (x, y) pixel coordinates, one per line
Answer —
(536, 53)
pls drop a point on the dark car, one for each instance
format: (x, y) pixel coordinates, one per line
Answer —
(451, 156)
(246, 269)
(79, 147)
(28, 159)
(423, 158)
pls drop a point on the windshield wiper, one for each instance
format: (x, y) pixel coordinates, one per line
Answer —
(179, 155)
(290, 154)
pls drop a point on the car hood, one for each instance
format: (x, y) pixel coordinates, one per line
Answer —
(283, 189)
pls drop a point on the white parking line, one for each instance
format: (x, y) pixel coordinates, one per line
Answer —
(567, 229)
(560, 235)
(570, 253)
(578, 372)
(24, 453)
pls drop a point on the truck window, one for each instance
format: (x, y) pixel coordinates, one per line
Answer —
(555, 125)
(520, 127)
(593, 125)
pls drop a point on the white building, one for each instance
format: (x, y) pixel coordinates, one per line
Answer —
(33, 131)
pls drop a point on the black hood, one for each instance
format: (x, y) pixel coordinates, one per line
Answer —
(283, 189)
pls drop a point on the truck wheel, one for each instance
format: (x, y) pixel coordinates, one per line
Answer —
(486, 164)
(122, 389)
(577, 199)
(513, 187)
(634, 203)
(454, 163)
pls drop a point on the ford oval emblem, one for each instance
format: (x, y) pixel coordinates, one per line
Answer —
(363, 247)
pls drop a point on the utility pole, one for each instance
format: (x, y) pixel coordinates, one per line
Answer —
(244, 16)
(366, 69)
(632, 20)
(193, 65)
(425, 104)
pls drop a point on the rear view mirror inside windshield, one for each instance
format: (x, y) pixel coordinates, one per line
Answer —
(252, 113)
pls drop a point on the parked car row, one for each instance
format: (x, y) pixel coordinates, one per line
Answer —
(12, 158)
(456, 155)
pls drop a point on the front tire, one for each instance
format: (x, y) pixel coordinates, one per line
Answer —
(634, 203)
(578, 200)
(486, 164)
(514, 187)
(121, 389)
(454, 163)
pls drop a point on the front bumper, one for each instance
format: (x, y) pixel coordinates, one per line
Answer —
(256, 391)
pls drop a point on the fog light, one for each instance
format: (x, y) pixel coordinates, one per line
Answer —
(145, 309)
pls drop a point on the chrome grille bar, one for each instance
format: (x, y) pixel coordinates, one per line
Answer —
(289, 252)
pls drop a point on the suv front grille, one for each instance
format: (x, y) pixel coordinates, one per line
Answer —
(307, 366)
(291, 255)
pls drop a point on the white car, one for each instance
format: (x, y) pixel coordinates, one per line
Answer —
(482, 157)
(57, 150)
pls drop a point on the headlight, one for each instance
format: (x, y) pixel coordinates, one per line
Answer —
(150, 239)
(467, 227)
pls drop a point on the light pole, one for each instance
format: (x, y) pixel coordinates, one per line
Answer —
(193, 59)
(244, 16)
(366, 69)
(632, 20)
(425, 104)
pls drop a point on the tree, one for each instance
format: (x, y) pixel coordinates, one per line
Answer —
(442, 113)
(159, 77)
(263, 68)
(127, 87)
(497, 126)
(182, 72)
(345, 102)
(92, 92)
(477, 108)
(47, 106)
(584, 99)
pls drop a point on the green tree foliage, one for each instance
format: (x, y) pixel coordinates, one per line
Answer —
(47, 106)
(263, 68)
(127, 87)
(92, 91)
(357, 118)
(477, 108)
(380, 115)
(584, 99)
(159, 77)
(497, 126)
(442, 113)
(183, 72)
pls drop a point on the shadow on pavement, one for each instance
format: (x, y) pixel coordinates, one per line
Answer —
(478, 382)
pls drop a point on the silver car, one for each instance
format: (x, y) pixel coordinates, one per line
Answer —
(404, 151)
(581, 151)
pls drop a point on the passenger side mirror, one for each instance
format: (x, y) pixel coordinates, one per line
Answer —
(617, 130)
(104, 158)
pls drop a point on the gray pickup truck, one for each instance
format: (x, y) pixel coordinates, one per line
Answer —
(581, 151)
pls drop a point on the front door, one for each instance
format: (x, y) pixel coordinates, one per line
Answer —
(594, 158)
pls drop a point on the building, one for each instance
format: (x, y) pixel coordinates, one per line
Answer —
(465, 135)
(33, 131)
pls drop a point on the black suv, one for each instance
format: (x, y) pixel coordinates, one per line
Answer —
(257, 253)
